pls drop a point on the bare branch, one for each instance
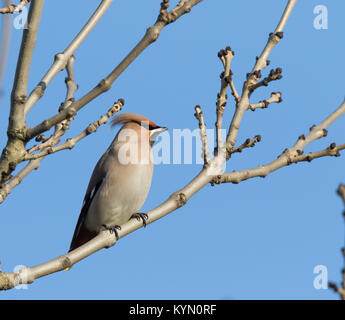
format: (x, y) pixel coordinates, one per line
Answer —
(105, 239)
(234, 92)
(200, 117)
(62, 58)
(332, 150)
(16, 141)
(11, 8)
(274, 75)
(19, 90)
(5, 189)
(105, 84)
(254, 76)
(63, 126)
(274, 38)
(249, 143)
(225, 57)
(60, 129)
(276, 97)
(70, 79)
(292, 155)
(70, 143)
(27, 275)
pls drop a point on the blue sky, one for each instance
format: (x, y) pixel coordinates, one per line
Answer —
(260, 239)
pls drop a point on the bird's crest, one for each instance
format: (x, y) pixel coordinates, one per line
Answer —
(132, 117)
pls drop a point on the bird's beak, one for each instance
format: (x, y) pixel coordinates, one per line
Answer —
(155, 133)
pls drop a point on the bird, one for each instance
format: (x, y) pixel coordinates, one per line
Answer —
(120, 181)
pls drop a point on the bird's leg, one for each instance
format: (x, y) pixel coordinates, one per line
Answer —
(140, 216)
(113, 229)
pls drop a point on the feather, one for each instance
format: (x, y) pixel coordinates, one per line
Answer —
(132, 117)
(81, 234)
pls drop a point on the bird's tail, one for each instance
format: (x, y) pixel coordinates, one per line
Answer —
(84, 235)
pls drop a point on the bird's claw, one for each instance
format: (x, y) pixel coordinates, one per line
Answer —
(140, 216)
(113, 229)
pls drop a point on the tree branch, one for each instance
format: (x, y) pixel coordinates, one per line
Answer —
(62, 58)
(60, 129)
(340, 290)
(274, 75)
(5, 189)
(70, 79)
(104, 239)
(225, 57)
(11, 8)
(253, 77)
(249, 143)
(292, 155)
(200, 117)
(276, 97)
(63, 126)
(70, 143)
(15, 144)
(105, 84)
(19, 91)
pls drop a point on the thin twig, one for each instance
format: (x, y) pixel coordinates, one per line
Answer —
(200, 117)
(63, 126)
(234, 92)
(332, 150)
(273, 75)
(289, 156)
(70, 143)
(15, 146)
(70, 79)
(5, 189)
(276, 97)
(254, 76)
(249, 143)
(225, 57)
(60, 129)
(11, 8)
(19, 91)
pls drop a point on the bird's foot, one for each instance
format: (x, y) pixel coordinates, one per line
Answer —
(140, 216)
(113, 229)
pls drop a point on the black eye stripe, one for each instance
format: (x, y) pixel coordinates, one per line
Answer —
(144, 124)
(153, 127)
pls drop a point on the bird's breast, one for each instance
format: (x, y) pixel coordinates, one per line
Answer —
(122, 193)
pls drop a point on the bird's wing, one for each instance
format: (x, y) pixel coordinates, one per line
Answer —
(81, 234)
